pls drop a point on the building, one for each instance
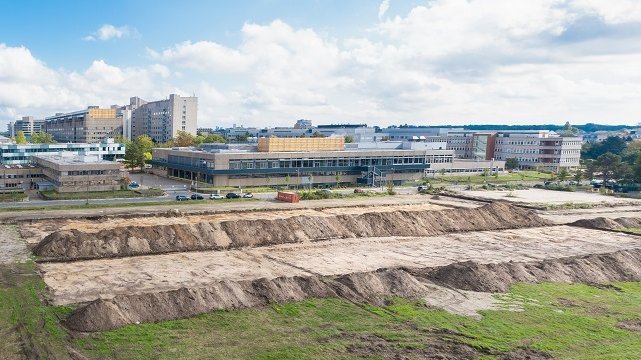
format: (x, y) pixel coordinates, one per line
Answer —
(125, 114)
(472, 145)
(303, 124)
(14, 154)
(162, 119)
(538, 149)
(305, 164)
(17, 178)
(28, 125)
(358, 132)
(76, 173)
(416, 132)
(91, 125)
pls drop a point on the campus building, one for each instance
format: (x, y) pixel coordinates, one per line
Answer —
(76, 173)
(14, 154)
(538, 149)
(309, 161)
(28, 125)
(162, 119)
(91, 125)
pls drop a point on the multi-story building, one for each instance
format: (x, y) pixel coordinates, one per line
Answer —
(75, 173)
(125, 114)
(17, 178)
(310, 161)
(14, 154)
(416, 132)
(358, 132)
(28, 125)
(162, 119)
(538, 149)
(91, 125)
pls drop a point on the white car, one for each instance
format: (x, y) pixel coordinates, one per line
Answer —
(248, 195)
(216, 197)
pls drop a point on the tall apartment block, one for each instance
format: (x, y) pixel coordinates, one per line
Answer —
(162, 119)
(28, 125)
(91, 125)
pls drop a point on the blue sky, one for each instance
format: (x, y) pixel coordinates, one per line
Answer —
(268, 62)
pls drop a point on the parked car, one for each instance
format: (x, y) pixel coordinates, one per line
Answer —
(216, 197)
(359, 191)
(547, 183)
(134, 184)
(196, 197)
(572, 183)
(248, 195)
(327, 191)
(232, 196)
(423, 188)
(181, 198)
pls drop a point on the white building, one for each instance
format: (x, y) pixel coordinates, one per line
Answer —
(162, 119)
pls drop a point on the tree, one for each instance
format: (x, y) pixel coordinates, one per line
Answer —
(578, 176)
(511, 164)
(184, 139)
(214, 138)
(613, 144)
(349, 139)
(631, 152)
(563, 174)
(42, 138)
(636, 169)
(338, 179)
(145, 143)
(610, 165)
(20, 138)
(318, 135)
(590, 169)
(134, 156)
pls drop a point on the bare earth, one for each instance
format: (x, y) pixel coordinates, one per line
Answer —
(541, 196)
(83, 281)
(12, 247)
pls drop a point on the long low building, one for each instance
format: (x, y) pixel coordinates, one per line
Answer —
(77, 173)
(13, 154)
(245, 165)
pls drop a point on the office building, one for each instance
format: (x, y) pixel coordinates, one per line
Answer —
(162, 119)
(358, 132)
(14, 154)
(304, 164)
(17, 178)
(91, 125)
(28, 125)
(75, 173)
(416, 132)
(538, 149)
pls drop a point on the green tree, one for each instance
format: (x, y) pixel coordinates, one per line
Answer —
(610, 166)
(134, 156)
(214, 138)
(590, 169)
(42, 138)
(563, 174)
(184, 139)
(349, 139)
(145, 142)
(318, 135)
(511, 164)
(338, 179)
(613, 144)
(578, 176)
(631, 152)
(636, 169)
(20, 138)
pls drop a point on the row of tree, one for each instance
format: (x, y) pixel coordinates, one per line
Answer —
(36, 138)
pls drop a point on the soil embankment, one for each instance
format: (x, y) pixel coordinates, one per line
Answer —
(604, 223)
(70, 245)
(371, 287)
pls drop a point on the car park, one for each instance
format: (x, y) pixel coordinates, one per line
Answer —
(216, 197)
(232, 195)
(181, 198)
(197, 197)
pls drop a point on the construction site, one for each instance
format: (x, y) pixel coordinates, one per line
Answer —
(456, 255)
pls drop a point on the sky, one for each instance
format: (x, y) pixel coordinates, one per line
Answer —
(271, 62)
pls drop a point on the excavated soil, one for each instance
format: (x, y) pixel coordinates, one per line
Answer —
(133, 240)
(371, 287)
(604, 223)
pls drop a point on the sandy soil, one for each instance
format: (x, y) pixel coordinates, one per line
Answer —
(572, 215)
(12, 248)
(538, 196)
(88, 280)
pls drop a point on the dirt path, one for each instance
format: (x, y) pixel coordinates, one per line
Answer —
(88, 280)
(12, 248)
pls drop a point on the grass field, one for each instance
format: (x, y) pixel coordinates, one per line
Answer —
(9, 197)
(514, 176)
(53, 195)
(566, 321)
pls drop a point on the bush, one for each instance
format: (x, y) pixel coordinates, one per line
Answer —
(558, 187)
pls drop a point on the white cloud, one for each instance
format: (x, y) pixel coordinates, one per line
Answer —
(382, 8)
(449, 61)
(108, 32)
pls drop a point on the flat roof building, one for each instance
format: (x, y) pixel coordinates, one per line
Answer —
(14, 154)
(28, 125)
(91, 125)
(76, 173)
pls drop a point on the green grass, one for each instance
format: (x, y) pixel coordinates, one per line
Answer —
(514, 176)
(25, 320)
(9, 197)
(633, 230)
(119, 205)
(567, 321)
(53, 195)
(320, 195)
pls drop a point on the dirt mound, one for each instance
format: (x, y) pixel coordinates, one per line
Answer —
(630, 325)
(617, 266)
(603, 223)
(131, 240)
(371, 287)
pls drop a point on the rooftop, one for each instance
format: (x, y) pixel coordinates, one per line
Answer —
(73, 159)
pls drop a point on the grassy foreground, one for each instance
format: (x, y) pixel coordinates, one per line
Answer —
(565, 321)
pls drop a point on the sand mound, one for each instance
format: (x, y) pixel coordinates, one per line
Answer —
(131, 240)
(603, 223)
(372, 287)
